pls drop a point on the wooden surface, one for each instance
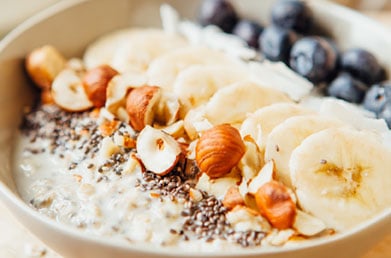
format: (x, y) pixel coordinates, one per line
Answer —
(17, 242)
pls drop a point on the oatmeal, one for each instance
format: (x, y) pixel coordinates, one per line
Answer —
(196, 144)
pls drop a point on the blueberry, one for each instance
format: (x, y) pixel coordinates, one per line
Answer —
(249, 31)
(386, 113)
(275, 43)
(218, 12)
(347, 88)
(292, 14)
(314, 58)
(362, 65)
(377, 96)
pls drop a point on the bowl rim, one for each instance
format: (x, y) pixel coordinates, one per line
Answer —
(13, 201)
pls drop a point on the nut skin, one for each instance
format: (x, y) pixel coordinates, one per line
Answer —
(43, 64)
(275, 203)
(233, 198)
(46, 97)
(139, 103)
(95, 83)
(219, 149)
(107, 128)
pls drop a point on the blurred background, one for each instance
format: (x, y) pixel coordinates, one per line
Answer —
(366, 5)
(14, 12)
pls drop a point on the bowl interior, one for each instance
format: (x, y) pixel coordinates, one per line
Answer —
(72, 25)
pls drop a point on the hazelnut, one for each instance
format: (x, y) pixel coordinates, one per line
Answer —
(140, 105)
(68, 92)
(43, 65)
(219, 149)
(158, 151)
(95, 83)
(275, 203)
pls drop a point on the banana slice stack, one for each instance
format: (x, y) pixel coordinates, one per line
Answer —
(330, 163)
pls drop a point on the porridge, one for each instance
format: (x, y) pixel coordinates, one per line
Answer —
(195, 143)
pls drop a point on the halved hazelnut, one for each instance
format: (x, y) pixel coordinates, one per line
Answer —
(275, 203)
(43, 65)
(68, 92)
(95, 83)
(140, 105)
(219, 150)
(158, 151)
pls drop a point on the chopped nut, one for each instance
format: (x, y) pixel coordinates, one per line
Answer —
(107, 128)
(233, 198)
(275, 203)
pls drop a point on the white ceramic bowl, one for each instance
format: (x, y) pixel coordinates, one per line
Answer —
(70, 26)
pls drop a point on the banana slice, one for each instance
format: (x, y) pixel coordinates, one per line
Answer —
(353, 115)
(341, 176)
(164, 70)
(285, 137)
(102, 50)
(132, 49)
(260, 123)
(196, 84)
(241, 98)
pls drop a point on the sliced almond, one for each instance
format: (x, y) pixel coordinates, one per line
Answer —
(68, 92)
(265, 175)
(158, 151)
(252, 161)
(195, 122)
(217, 187)
(167, 111)
(176, 129)
(307, 224)
(244, 219)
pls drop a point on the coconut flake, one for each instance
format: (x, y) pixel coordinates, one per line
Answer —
(170, 19)
(353, 115)
(278, 76)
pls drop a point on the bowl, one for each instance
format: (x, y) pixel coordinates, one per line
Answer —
(71, 26)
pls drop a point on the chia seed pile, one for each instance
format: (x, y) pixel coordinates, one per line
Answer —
(205, 218)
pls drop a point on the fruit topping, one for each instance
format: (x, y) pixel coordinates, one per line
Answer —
(276, 43)
(377, 97)
(292, 14)
(362, 64)
(218, 12)
(347, 88)
(249, 31)
(314, 58)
